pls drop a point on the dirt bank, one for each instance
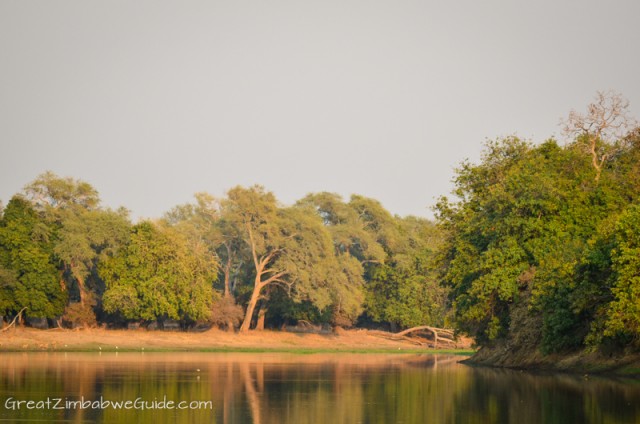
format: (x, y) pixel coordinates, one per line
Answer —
(505, 356)
(28, 339)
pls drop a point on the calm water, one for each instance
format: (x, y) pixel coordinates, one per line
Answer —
(286, 388)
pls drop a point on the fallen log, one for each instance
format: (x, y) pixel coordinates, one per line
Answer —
(442, 335)
(14, 320)
(439, 334)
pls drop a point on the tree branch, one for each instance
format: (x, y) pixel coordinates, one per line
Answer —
(265, 259)
(275, 277)
(253, 246)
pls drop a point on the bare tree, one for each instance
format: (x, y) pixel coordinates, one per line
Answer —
(607, 120)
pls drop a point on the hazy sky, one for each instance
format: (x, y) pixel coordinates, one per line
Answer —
(152, 101)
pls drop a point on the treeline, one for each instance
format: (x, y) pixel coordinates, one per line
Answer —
(542, 246)
(538, 250)
(237, 262)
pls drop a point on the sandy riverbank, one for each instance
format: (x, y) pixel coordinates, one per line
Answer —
(29, 339)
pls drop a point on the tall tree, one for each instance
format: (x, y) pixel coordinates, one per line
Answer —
(530, 256)
(203, 222)
(509, 234)
(289, 247)
(390, 261)
(84, 232)
(28, 276)
(356, 247)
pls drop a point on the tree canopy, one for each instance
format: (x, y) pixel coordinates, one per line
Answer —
(537, 247)
(28, 275)
(158, 275)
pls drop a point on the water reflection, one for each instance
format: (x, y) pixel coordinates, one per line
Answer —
(321, 388)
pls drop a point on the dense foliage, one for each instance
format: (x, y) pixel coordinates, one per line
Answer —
(535, 232)
(239, 261)
(28, 277)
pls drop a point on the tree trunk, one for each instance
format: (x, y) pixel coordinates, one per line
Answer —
(251, 306)
(77, 274)
(227, 272)
(261, 314)
(81, 289)
(228, 297)
(260, 265)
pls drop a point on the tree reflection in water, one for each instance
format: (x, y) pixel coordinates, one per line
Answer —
(287, 388)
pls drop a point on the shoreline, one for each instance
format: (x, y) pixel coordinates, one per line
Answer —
(355, 341)
(583, 362)
(213, 340)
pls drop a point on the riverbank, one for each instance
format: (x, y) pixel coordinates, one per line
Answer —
(580, 362)
(29, 339)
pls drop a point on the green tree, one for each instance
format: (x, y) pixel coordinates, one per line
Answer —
(531, 253)
(623, 313)
(203, 222)
(518, 229)
(349, 230)
(405, 290)
(355, 248)
(28, 276)
(159, 275)
(401, 288)
(390, 261)
(83, 233)
(289, 248)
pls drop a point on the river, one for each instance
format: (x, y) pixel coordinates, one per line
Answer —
(288, 388)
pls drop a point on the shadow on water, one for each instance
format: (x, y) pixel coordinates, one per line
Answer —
(288, 388)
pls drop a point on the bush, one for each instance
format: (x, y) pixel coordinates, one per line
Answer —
(78, 315)
(225, 313)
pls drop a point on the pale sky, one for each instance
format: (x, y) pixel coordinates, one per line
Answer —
(151, 101)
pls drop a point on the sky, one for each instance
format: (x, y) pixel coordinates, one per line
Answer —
(151, 101)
